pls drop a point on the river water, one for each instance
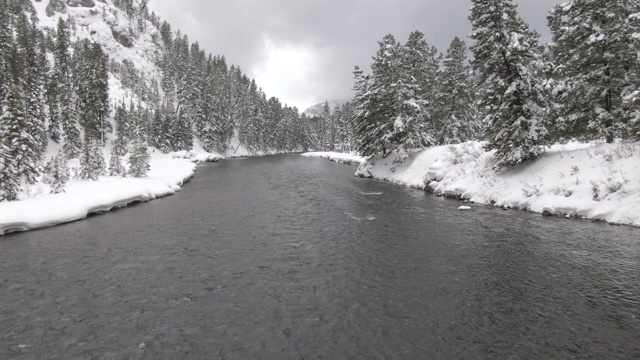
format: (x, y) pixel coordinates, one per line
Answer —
(286, 257)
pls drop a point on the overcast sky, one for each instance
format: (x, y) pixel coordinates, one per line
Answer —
(303, 51)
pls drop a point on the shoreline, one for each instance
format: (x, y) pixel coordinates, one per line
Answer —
(87, 198)
(591, 181)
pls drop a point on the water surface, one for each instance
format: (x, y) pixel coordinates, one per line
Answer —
(287, 257)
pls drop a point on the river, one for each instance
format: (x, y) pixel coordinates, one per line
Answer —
(285, 257)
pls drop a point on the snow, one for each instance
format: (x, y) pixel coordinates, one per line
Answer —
(593, 181)
(342, 158)
(197, 154)
(83, 197)
(464, 208)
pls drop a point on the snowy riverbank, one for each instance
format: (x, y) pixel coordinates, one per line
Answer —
(341, 158)
(81, 197)
(600, 182)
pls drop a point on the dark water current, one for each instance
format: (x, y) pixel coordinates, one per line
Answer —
(291, 258)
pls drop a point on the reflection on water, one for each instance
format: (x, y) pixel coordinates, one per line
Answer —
(287, 257)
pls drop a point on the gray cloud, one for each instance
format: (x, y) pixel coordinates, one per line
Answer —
(340, 33)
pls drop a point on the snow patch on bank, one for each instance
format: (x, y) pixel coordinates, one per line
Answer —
(593, 181)
(342, 158)
(82, 197)
(197, 154)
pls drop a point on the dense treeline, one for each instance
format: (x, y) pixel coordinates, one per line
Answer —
(519, 96)
(516, 95)
(54, 88)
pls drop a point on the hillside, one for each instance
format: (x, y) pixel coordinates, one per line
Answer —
(103, 80)
(107, 104)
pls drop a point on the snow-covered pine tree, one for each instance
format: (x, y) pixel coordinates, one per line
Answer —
(123, 128)
(32, 78)
(596, 59)
(158, 130)
(456, 113)
(367, 144)
(391, 106)
(344, 127)
(415, 89)
(375, 101)
(91, 87)
(21, 151)
(116, 168)
(327, 135)
(56, 6)
(63, 91)
(139, 158)
(506, 55)
(92, 164)
(54, 130)
(57, 173)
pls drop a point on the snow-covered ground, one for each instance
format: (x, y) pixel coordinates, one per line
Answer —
(38, 208)
(593, 181)
(197, 154)
(342, 158)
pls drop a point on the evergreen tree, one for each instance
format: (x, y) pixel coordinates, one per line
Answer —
(513, 102)
(122, 121)
(419, 74)
(33, 62)
(57, 173)
(92, 164)
(91, 88)
(596, 61)
(455, 101)
(56, 6)
(54, 129)
(391, 105)
(139, 158)
(21, 151)
(116, 168)
(364, 125)
(62, 91)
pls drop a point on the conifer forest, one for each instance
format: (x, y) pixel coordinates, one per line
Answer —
(500, 86)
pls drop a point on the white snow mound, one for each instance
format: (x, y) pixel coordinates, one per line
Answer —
(594, 181)
(342, 158)
(83, 197)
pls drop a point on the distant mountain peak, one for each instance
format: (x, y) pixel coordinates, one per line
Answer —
(316, 110)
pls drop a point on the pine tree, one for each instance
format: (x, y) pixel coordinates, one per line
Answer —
(57, 173)
(21, 151)
(596, 67)
(506, 56)
(33, 61)
(122, 121)
(91, 88)
(391, 105)
(56, 6)
(139, 158)
(54, 129)
(116, 168)
(456, 113)
(63, 91)
(92, 164)
(419, 74)
(364, 124)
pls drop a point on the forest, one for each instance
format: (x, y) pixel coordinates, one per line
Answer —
(506, 89)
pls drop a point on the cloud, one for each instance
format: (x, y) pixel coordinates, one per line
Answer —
(332, 35)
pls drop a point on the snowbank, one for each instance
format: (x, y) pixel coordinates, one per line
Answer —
(341, 158)
(600, 182)
(82, 197)
(196, 156)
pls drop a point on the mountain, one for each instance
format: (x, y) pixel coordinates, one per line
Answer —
(194, 96)
(317, 109)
